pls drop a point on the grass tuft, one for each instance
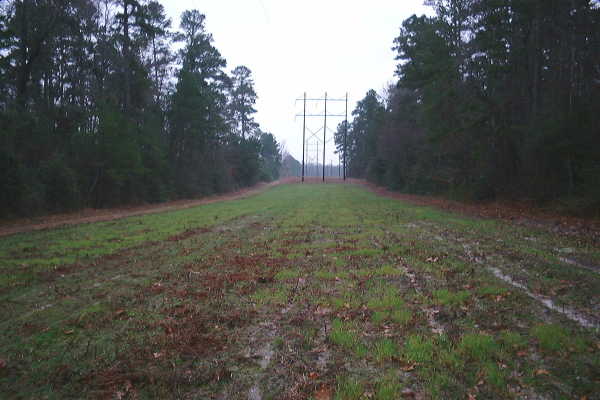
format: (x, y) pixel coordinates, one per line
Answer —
(385, 349)
(478, 346)
(348, 389)
(447, 298)
(418, 349)
(388, 388)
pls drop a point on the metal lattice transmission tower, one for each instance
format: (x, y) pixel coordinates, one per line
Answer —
(314, 136)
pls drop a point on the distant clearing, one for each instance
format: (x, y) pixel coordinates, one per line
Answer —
(300, 292)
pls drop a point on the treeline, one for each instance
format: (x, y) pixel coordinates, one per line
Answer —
(494, 99)
(97, 109)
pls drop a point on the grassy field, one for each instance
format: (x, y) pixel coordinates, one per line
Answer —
(300, 292)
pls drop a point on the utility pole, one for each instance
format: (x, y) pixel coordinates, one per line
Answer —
(306, 153)
(317, 159)
(303, 135)
(324, 134)
(345, 134)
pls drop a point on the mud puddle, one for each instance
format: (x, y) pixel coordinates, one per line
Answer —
(548, 303)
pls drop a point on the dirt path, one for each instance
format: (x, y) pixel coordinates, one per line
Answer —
(89, 215)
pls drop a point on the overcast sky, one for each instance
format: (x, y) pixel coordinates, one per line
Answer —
(292, 46)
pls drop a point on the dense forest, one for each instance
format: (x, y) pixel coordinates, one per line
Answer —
(494, 99)
(98, 109)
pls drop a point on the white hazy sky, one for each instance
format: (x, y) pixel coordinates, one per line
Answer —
(312, 46)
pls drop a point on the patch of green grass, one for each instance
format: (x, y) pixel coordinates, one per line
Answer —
(348, 389)
(346, 299)
(551, 337)
(401, 317)
(384, 298)
(179, 282)
(341, 334)
(270, 296)
(492, 291)
(385, 349)
(388, 388)
(364, 252)
(556, 338)
(495, 374)
(447, 298)
(418, 349)
(478, 346)
(286, 274)
(512, 340)
(380, 316)
(344, 334)
(387, 270)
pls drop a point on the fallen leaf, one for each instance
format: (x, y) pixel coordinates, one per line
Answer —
(324, 393)
(542, 372)
(2, 363)
(313, 375)
(407, 368)
(70, 331)
(471, 397)
(521, 353)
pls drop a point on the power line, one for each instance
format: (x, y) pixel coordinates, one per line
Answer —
(313, 134)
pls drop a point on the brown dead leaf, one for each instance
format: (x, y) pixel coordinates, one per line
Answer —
(471, 396)
(68, 332)
(521, 353)
(542, 372)
(324, 393)
(408, 368)
(2, 363)
(313, 375)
